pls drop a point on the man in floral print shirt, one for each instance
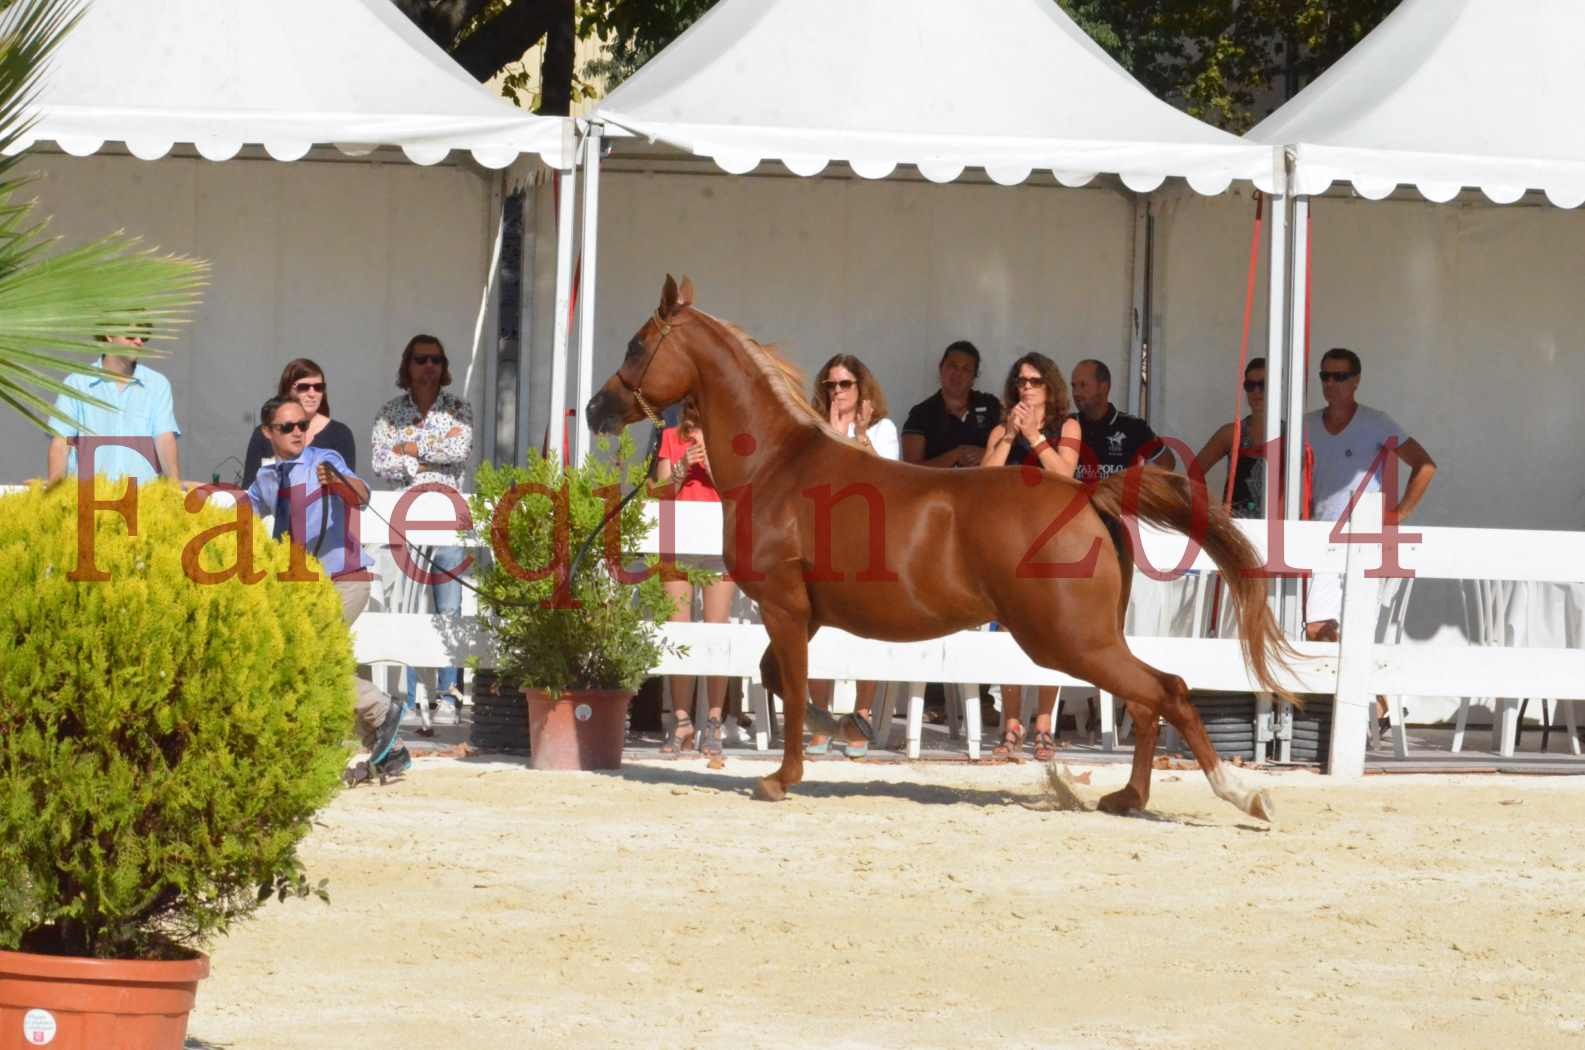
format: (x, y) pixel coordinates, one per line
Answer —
(425, 437)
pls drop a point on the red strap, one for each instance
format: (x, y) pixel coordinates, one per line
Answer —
(1243, 347)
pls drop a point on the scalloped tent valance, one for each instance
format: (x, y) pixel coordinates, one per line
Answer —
(1446, 95)
(1010, 86)
(286, 75)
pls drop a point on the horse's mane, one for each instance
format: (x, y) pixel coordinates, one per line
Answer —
(786, 379)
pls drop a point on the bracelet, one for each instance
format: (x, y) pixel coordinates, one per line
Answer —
(1035, 452)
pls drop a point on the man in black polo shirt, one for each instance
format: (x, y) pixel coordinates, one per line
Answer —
(950, 428)
(1113, 439)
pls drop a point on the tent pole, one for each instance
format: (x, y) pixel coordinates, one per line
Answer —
(527, 201)
(567, 188)
(1276, 330)
(1138, 334)
(1293, 453)
(487, 323)
(582, 439)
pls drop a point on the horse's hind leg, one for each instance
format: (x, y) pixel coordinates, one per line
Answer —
(1116, 670)
(1135, 795)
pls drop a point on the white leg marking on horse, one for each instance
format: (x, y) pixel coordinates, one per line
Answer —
(1232, 787)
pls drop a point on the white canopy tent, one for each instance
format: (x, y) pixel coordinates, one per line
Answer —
(1444, 95)
(287, 76)
(1010, 86)
(283, 74)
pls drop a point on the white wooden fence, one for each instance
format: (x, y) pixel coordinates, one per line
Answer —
(1353, 672)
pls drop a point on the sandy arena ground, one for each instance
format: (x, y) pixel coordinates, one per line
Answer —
(481, 905)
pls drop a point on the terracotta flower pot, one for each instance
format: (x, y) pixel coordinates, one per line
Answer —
(582, 730)
(68, 1003)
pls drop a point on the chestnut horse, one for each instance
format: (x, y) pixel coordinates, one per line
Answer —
(820, 532)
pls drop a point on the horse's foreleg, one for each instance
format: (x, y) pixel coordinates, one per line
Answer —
(789, 641)
(1135, 795)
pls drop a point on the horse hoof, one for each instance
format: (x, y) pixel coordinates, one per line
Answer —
(769, 789)
(1120, 803)
(1260, 807)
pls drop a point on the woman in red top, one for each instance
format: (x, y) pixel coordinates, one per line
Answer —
(683, 469)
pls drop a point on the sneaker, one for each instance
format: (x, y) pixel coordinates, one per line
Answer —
(398, 761)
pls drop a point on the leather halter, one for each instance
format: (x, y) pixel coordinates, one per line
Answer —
(635, 389)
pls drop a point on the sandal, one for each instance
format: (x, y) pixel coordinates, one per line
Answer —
(710, 742)
(681, 738)
(1012, 741)
(1045, 747)
(857, 721)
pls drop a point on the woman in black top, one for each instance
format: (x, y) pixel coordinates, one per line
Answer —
(303, 381)
(1036, 431)
(1248, 497)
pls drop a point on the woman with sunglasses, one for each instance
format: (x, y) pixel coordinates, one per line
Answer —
(1249, 471)
(848, 396)
(303, 381)
(1037, 431)
(682, 470)
(425, 437)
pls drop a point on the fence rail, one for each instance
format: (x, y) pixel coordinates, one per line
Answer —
(1354, 672)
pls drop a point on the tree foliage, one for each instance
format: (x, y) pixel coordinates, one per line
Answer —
(1225, 61)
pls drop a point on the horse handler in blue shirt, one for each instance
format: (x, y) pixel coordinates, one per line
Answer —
(291, 490)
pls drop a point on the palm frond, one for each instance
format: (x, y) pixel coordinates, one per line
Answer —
(57, 305)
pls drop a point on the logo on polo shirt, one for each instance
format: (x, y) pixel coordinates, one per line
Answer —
(1114, 443)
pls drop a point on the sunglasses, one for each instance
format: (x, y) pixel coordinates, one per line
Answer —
(429, 359)
(1252, 386)
(303, 388)
(287, 428)
(834, 385)
(1336, 377)
(1025, 382)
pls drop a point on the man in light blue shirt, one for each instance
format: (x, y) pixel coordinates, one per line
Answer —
(141, 410)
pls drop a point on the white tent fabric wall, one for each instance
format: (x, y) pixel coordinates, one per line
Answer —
(889, 271)
(337, 261)
(1447, 94)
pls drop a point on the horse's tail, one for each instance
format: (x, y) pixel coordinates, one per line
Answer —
(1167, 500)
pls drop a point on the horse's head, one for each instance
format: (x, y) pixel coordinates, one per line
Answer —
(654, 374)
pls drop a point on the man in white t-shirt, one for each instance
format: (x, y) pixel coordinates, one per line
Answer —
(1345, 438)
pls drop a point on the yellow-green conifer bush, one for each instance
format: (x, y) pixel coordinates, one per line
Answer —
(164, 742)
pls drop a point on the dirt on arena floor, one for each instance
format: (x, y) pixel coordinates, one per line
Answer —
(482, 905)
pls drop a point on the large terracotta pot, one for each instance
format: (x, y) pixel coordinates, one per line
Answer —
(68, 1003)
(581, 730)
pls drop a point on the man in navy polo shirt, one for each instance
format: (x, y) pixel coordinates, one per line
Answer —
(1113, 439)
(290, 490)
